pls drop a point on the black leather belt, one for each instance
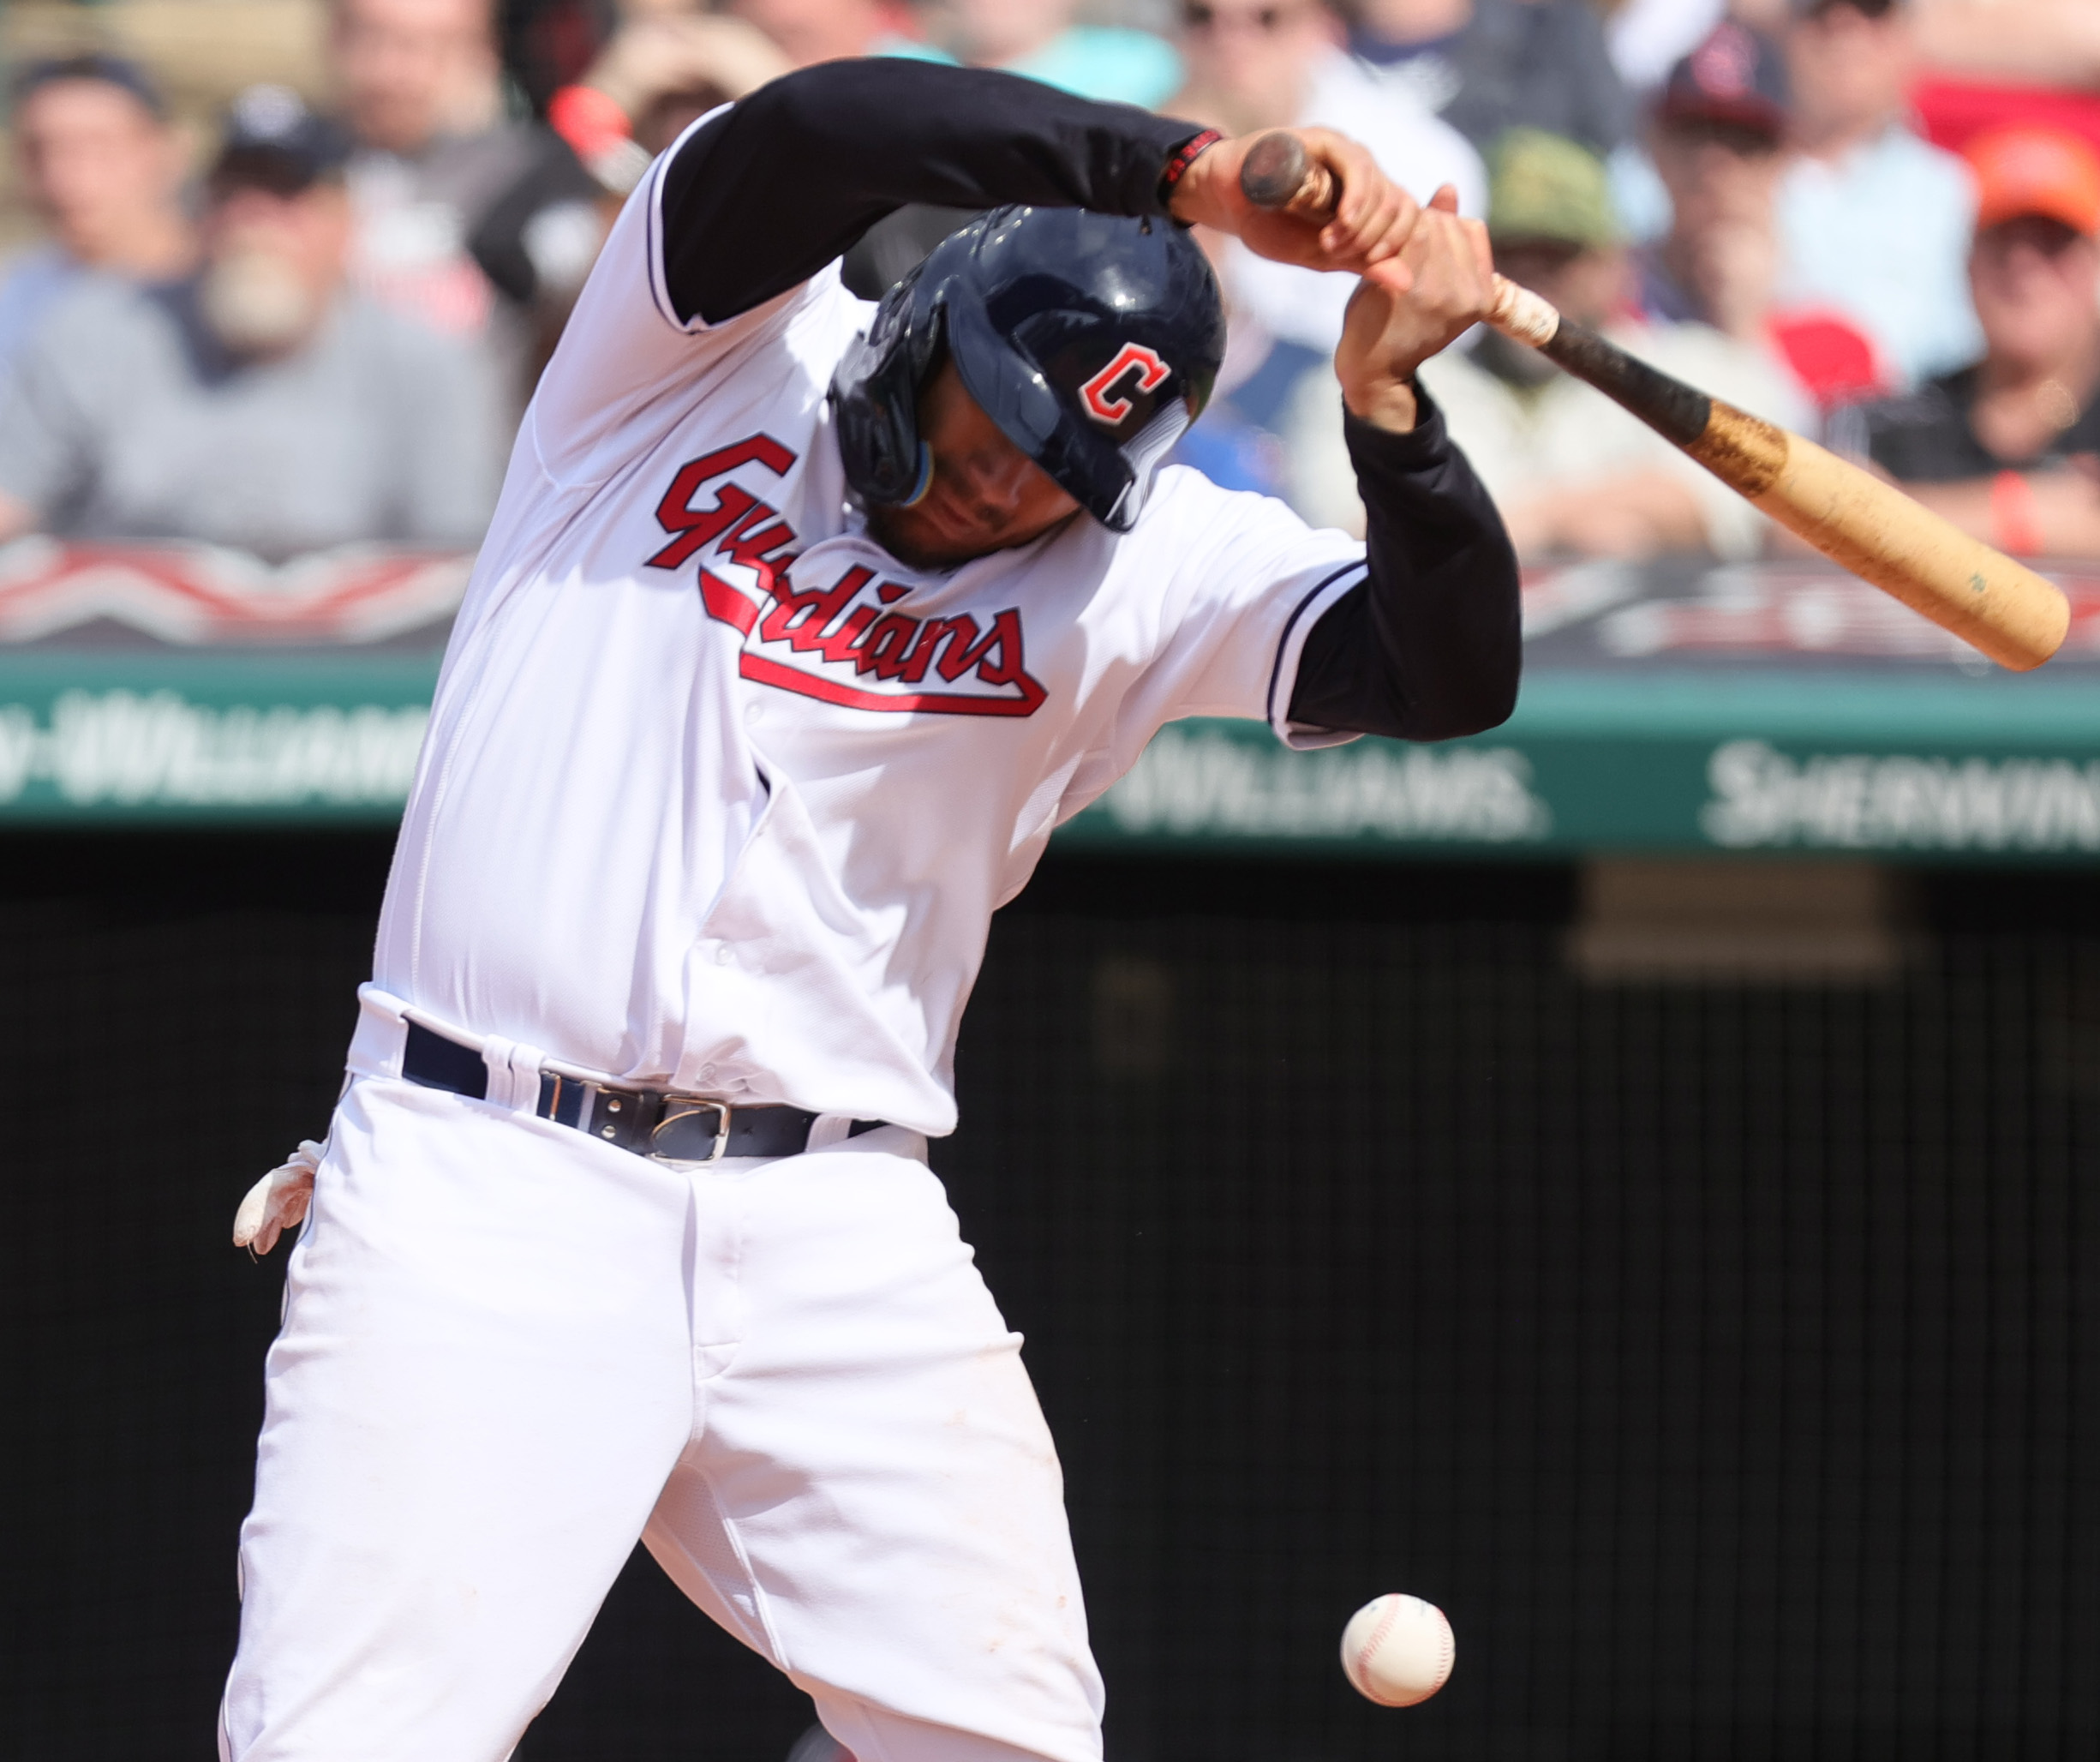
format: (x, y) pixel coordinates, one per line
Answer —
(660, 1124)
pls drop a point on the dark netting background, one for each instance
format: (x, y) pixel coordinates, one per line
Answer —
(1722, 1359)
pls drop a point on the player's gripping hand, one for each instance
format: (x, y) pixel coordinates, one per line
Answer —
(1367, 234)
(1388, 333)
(277, 1202)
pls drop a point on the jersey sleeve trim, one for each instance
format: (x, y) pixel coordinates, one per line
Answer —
(659, 283)
(1283, 676)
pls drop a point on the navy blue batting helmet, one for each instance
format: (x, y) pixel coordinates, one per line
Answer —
(1090, 339)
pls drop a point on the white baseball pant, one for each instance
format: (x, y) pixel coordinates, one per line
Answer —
(508, 1350)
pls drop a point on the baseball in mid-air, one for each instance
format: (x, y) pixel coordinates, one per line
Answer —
(1398, 1650)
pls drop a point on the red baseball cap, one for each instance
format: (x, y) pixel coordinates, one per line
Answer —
(2046, 171)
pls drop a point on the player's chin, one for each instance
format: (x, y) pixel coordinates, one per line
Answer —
(928, 537)
(911, 538)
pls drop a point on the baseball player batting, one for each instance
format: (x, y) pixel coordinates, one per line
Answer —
(800, 626)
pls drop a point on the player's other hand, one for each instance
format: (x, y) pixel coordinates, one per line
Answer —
(278, 1201)
(1367, 234)
(1388, 333)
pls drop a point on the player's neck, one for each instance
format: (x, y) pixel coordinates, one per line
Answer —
(893, 534)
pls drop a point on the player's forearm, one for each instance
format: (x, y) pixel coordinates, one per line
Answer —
(765, 195)
(1428, 648)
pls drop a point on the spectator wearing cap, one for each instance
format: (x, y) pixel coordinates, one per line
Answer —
(101, 168)
(478, 227)
(1873, 221)
(2009, 447)
(1488, 65)
(1573, 475)
(1258, 64)
(258, 403)
(1719, 126)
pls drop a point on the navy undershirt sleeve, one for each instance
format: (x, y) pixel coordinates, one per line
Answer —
(1427, 646)
(767, 194)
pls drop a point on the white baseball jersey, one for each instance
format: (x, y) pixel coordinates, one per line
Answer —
(719, 794)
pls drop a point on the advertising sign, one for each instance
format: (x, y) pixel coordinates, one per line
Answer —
(1775, 707)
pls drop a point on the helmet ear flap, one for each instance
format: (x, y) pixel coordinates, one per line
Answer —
(875, 398)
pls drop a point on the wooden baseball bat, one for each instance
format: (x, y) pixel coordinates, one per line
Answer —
(1873, 529)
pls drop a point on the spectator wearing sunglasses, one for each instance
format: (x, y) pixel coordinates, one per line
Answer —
(1485, 66)
(100, 166)
(1873, 221)
(1256, 65)
(2009, 447)
(1043, 40)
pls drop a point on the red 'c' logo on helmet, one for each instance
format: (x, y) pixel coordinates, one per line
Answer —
(1131, 357)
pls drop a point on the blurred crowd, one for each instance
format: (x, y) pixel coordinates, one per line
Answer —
(1874, 220)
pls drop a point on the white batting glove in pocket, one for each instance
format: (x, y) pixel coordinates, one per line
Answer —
(277, 1202)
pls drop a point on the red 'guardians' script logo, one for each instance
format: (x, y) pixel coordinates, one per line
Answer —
(1131, 358)
(817, 635)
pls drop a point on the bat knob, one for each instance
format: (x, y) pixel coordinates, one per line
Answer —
(1273, 170)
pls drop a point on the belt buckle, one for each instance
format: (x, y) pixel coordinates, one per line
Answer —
(682, 1107)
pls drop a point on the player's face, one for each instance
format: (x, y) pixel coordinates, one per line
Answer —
(986, 494)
